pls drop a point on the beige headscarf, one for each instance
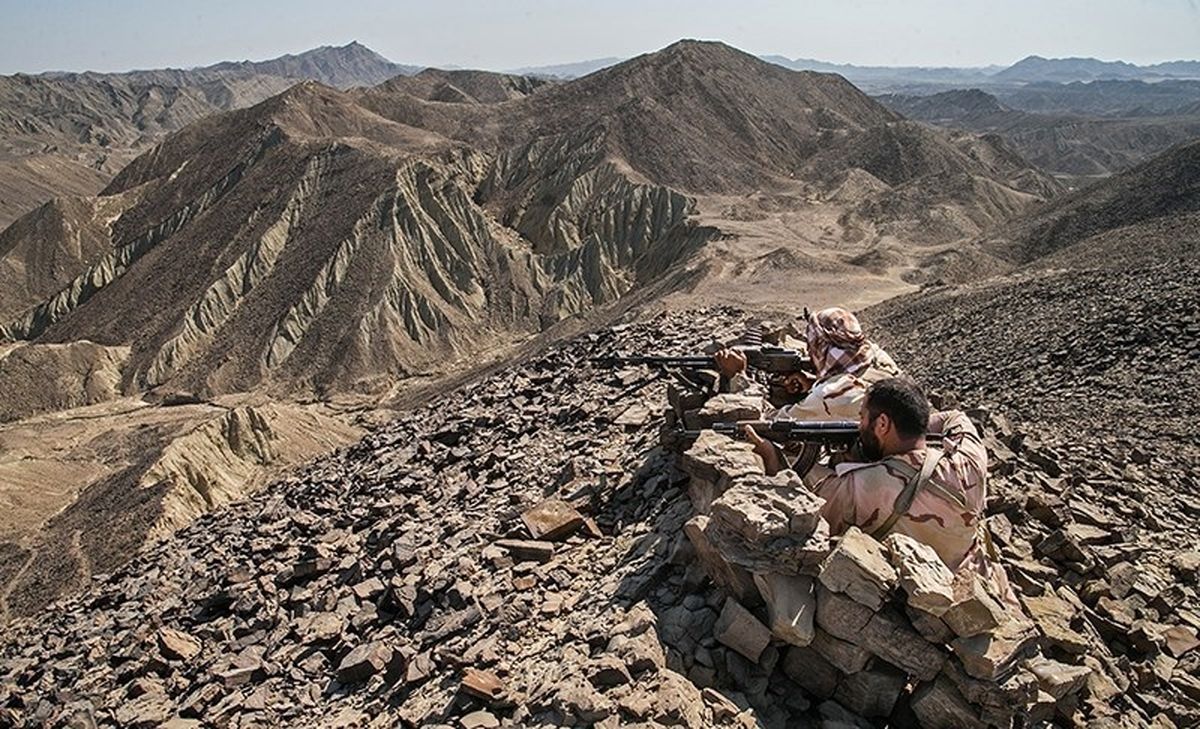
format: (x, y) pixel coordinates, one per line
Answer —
(836, 343)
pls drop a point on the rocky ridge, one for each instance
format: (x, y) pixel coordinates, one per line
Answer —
(521, 551)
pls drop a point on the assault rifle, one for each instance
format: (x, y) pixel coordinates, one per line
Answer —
(837, 433)
(772, 360)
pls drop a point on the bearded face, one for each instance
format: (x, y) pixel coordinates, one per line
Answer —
(872, 449)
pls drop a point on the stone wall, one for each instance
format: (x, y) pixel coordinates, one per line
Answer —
(881, 630)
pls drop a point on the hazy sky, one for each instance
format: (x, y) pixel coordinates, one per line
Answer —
(39, 35)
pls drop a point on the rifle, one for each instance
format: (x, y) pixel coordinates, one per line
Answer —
(773, 360)
(840, 433)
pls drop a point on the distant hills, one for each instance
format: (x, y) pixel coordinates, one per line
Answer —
(1066, 70)
(1062, 139)
(567, 70)
(1031, 69)
(341, 67)
(68, 133)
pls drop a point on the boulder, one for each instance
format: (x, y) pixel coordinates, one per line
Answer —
(859, 568)
(873, 691)
(176, 644)
(1056, 678)
(734, 579)
(994, 654)
(927, 582)
(1053, 617)
(552, 520)
(364, 661)
(843, 655)
(841, 616)
(724, 408)
(811, 671)
(713, 462)
(891, 637)
(939, 705)
(482, 684)
(974, 610)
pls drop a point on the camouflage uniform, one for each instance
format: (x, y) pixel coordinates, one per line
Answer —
(845, 363)
(840, 396)
(947, 513)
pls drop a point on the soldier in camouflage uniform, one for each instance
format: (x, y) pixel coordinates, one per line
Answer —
(896, 483)
(844, 361)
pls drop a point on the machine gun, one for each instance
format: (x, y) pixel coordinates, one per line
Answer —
(772, 360)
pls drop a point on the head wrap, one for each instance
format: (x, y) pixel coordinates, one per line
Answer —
(836, 343)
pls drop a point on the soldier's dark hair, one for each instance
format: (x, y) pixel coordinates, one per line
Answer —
(903, 402)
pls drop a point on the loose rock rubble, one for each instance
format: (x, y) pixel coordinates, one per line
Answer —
(1088, 375)
(487, 560)
(524, 552)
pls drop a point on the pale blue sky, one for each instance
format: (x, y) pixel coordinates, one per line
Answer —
(40, 35)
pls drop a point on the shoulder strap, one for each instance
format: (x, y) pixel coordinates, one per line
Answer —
(904, 500)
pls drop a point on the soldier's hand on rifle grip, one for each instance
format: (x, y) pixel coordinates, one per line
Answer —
(730, 362)
(764, 448)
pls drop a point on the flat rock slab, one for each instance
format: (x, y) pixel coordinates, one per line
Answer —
(527, 550)
(993, 655)
(939, 705)
(734, 579)
(760, 508)
(363, 662)
(552, 520)
(791, 606)
(859, 568)
(740, 630)
(841, 654)
(927, 582)
(724, 408)
(1056, 678)
(974, 610)
(890, 636)
(841, 616)
(482, 684)
(176, 644)
(720, 459)
(811, 671)
(872, 692)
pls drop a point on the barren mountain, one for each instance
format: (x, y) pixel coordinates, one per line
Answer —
(463, 86)
(1068, 145)
(69, 133)
(1164, 190)
(334, 242)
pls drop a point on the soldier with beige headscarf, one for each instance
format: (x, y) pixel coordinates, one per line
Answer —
(845, 363)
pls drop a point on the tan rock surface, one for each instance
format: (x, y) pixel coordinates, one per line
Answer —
(81, 489)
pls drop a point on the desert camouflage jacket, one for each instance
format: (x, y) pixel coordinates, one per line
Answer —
(840, 396)
(837, 397)
(946, 514)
